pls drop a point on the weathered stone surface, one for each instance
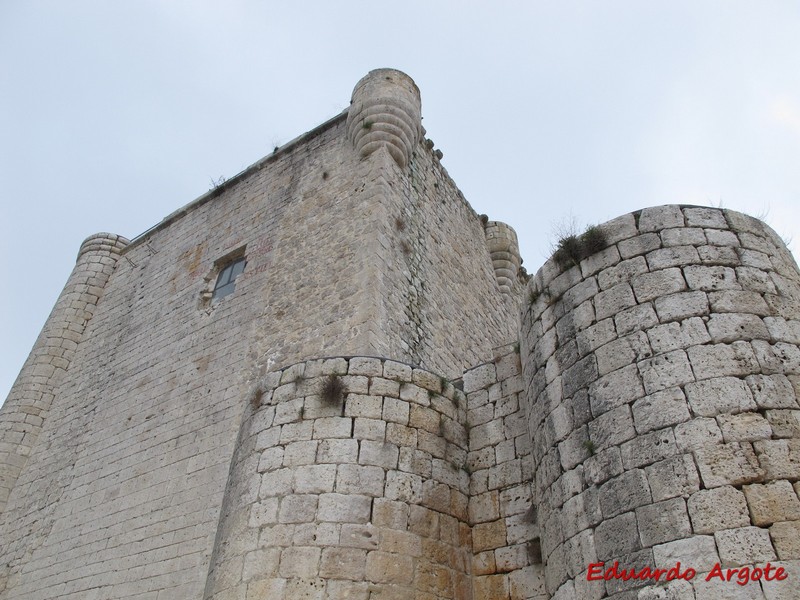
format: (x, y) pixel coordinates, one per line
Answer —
(728, 464)
(743, 546)
(772, 502)
(718, 508)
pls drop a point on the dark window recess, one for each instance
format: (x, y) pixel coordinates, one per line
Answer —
(226, 281)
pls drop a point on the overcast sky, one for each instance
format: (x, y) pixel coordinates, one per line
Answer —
(114, 114)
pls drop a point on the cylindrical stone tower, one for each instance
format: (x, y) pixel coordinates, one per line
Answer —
(501, 240)
(349, 481)
(385, 113)
(29, 401)
(662, 369)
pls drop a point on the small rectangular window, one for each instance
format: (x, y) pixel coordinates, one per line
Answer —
(226, 281)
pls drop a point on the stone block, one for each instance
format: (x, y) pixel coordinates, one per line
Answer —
(617, 536)
(657, 218)
(677, 589)
(389, 513)
(387, 567)
(755, 280)
(697, 433)
(395, 411)
(579, 375)
(738, 301)
(743, 546)
(649, 448)
(705, 217)
(637, 318)
(379, 454)
(615, 389)
(780, 459)
(777, 358)
(675, 476)
(491, 586)
(718, 508)
(344, 508)
(378, 386)
(676, 307)
(343, 563)
(785, 423)
(624, 493)
(611, 428)
(621, 352)
(665, 371)
(730, 327)
(479, 377)
(602, 466)
(575, 449)
(698, 552)
(772, 391)
(595, 336)
(609, 302)
(744, 427)
(710, 279)
(397, 371)
(488, 536)
(728, 464)
(673, 256)
(357, 405)
(622, 272)
(333, 427)
(663, 522)
(719, 255)
(737, 359)
(579, 552)
(683, 236)
(721, 395)
(314, 479)
(786, 539)
(337, 451)
(299, 508)
(639, 245)
(370, 367)
(358, 479)
(579, 513)
(649, 286)
(772, 502)
(674, 335)
(661, 409)
(369, 429)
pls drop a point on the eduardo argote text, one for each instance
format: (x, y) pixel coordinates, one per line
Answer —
(739, 575)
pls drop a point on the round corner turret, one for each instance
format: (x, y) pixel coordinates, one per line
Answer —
(385, 112)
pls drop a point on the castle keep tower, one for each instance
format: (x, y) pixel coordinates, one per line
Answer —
(329, 378)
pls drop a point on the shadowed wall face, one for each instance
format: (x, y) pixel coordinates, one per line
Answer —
(662, 376)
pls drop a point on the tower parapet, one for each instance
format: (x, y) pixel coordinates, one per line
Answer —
(662, 375)
(28, 403)
(385, 112)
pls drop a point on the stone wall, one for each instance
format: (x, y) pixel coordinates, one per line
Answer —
(662, 375)
(362, 495)
(505, 537)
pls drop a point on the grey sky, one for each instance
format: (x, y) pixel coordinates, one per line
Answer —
(114, 114)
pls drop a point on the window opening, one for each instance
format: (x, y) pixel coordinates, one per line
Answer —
(226, 281)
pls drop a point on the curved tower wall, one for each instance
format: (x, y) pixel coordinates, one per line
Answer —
(29, 400)
(360, 496)
(662, 378)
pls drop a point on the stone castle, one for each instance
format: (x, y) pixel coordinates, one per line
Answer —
(330, 378)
